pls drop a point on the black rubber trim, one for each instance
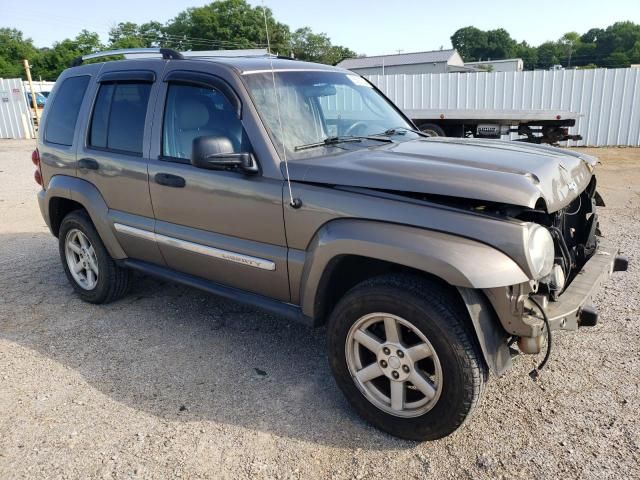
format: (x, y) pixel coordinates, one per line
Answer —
(146, 76)
(171, 54)
(208, 81)
(287, 310)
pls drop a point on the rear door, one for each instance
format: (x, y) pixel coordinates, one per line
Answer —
(115, 151)
(224, 226)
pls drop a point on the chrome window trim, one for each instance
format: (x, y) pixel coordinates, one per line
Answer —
(219, 253)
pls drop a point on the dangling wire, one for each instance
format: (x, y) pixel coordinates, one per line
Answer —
(277, 96)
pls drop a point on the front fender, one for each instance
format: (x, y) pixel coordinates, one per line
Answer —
(87, 195)
(456, 260)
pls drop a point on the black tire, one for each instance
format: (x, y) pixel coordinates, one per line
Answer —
(440, 315)
(113, 280)
(432, 130)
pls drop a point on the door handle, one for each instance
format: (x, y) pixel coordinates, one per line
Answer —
(170, 180)
(88, 164)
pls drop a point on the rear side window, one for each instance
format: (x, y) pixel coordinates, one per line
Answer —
(61, 120)
(118, 117)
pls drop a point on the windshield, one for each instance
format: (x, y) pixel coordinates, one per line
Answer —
(319, 105)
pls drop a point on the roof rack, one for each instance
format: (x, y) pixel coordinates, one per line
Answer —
(167, 54)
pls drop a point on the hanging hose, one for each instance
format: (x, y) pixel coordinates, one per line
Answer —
(535, 372)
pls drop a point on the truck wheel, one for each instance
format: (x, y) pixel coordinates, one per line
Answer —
(94, 275)
(402, 353)
(432, 130)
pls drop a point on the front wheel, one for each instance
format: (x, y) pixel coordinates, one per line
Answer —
(401, 351)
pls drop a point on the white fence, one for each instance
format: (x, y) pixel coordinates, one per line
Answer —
(15, 115)
(608, 99)
(39, 86)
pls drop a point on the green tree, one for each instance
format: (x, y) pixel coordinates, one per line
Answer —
(471, 43)
(527, 53)
(616, 60)
(14, 48)
(317, 47)
(567, 45)
(499, 44)
(549, 54)
(132, 35)
(52, 61)
(226, 24)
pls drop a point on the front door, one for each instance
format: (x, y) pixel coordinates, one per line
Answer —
(224, 226)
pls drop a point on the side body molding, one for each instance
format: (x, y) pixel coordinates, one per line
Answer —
(89, 197)
(458, 261)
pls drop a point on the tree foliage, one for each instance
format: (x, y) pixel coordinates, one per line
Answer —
(616, 46)
(14, 48)
(233, 24)
(220, 25)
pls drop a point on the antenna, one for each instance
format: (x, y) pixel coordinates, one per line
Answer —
(295, 203)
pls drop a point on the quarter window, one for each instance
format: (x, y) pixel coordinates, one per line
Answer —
(191, 112)
(61, 120)
(118, 116)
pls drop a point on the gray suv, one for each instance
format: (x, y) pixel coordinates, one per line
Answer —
(300, 188)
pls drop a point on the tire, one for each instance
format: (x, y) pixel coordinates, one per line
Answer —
(439, 315)
(432, 130)
(110, 280)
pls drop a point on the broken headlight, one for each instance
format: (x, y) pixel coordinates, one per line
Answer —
(540, 251)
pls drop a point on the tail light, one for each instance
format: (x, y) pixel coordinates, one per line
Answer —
(35, 159)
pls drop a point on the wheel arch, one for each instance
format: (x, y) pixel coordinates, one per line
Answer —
(345, 252)
(65, 194)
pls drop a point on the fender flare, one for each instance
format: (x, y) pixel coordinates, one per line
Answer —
(459, 261)
(87, 195)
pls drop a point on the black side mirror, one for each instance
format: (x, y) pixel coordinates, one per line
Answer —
(217, 153)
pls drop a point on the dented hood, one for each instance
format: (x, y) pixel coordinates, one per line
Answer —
(499, 171)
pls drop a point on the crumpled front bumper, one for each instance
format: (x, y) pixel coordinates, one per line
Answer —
(520, 317)
(572, 309)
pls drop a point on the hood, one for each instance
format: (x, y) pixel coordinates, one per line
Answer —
(514, 173)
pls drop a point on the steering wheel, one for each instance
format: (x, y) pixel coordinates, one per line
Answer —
(350, 131)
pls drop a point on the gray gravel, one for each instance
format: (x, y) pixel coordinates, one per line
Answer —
(171, 382)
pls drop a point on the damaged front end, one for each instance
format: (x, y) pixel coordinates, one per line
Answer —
(561, 299)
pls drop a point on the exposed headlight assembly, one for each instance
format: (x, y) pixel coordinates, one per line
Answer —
(540, 251)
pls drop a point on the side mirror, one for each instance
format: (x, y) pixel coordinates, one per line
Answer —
(217, 153)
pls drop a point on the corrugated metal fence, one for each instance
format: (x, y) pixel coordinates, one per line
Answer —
(609, 99)
(15, 115)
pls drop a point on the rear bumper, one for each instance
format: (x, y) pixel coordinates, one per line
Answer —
(43, 204)
(572, 308)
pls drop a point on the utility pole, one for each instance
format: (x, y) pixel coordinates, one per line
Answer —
(33, 93)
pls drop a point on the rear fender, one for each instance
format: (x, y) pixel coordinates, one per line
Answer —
(87, 195)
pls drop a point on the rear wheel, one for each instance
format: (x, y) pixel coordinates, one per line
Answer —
(94, 275)
(401, 352)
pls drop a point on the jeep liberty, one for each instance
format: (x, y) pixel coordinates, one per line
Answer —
(301, 189)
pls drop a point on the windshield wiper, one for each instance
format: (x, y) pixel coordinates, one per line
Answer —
(336, 140)
(400, 131)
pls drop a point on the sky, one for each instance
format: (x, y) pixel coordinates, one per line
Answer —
(373, 27)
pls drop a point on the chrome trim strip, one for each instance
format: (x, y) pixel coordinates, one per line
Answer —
(135, 232)
(247, 260)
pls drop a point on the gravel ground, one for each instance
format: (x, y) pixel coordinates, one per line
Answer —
(171, 382)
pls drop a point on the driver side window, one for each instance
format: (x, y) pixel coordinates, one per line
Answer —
(193, 111)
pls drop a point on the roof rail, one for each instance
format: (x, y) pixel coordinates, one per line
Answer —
(167, 54)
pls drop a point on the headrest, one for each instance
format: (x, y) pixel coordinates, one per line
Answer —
(191, 113)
